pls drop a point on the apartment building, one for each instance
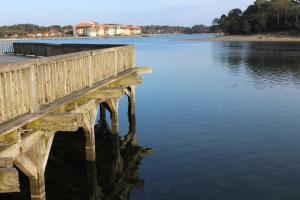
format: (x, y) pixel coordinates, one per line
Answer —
(93, 29)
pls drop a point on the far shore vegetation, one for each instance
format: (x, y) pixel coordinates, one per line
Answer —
(280, 17)
(156, 29)
(32, 30)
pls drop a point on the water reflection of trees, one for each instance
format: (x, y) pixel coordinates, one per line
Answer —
(275, 62)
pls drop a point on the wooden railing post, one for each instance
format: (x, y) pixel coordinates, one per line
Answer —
(90, 68)
(134, 56)
(116, 63)
(33, 92)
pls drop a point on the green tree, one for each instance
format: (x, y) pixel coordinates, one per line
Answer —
(295, 7)
(262, 16)
(235, 21)
(246, 27)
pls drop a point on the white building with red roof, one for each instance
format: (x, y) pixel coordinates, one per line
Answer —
(93, 29)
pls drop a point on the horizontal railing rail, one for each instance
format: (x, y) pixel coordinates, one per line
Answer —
(48, 49)
(7, 45)
(26, 87)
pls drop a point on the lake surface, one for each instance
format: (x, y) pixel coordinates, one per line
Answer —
(221, 119)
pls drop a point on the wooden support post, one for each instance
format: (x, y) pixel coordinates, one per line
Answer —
(114, 107)
(95, 191)
(92, 179)
(102, 113)
(33, 92)
(117, 166)
(131, 100)
(115, 122)
(131, 137)
(132, 130)
(90, 147)
(37, 187)
(89, 119)
(33, 164)
(49, 143)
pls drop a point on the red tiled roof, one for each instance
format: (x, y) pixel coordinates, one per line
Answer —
(135, 27)
(83, 25)
(106, 26)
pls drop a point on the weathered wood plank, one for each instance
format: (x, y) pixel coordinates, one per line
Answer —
(6, 162)
(106, 93)
(56, 122)
(133, 79)
(27, 166)
(10, 138)
(144, 70)
(11, 151)
(31, 139)
(9, 180)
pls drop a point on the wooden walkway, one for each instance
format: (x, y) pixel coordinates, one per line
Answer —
(9, 59)
(39, 97)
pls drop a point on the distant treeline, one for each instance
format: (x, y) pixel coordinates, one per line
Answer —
(156, 29)
(261, 17)
(22, 30)
(27, 30)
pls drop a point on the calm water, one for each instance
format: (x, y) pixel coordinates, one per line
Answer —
(222, 120)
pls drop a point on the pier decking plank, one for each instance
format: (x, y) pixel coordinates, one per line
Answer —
(6, 59)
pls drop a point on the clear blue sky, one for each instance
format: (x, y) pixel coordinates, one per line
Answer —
(138, 12)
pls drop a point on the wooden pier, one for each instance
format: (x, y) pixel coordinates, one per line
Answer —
(60, 91)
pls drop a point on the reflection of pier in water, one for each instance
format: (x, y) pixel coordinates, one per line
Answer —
(117, 163)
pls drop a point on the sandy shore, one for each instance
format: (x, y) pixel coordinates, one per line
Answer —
(253, 38)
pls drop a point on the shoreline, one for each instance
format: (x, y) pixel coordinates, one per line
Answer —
(72, 37)
(76, 37)
(98, 37)
(69, 38)
(252, 38)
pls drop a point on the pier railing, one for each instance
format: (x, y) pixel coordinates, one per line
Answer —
(49, 49)
(6, 46)
(26, 87)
